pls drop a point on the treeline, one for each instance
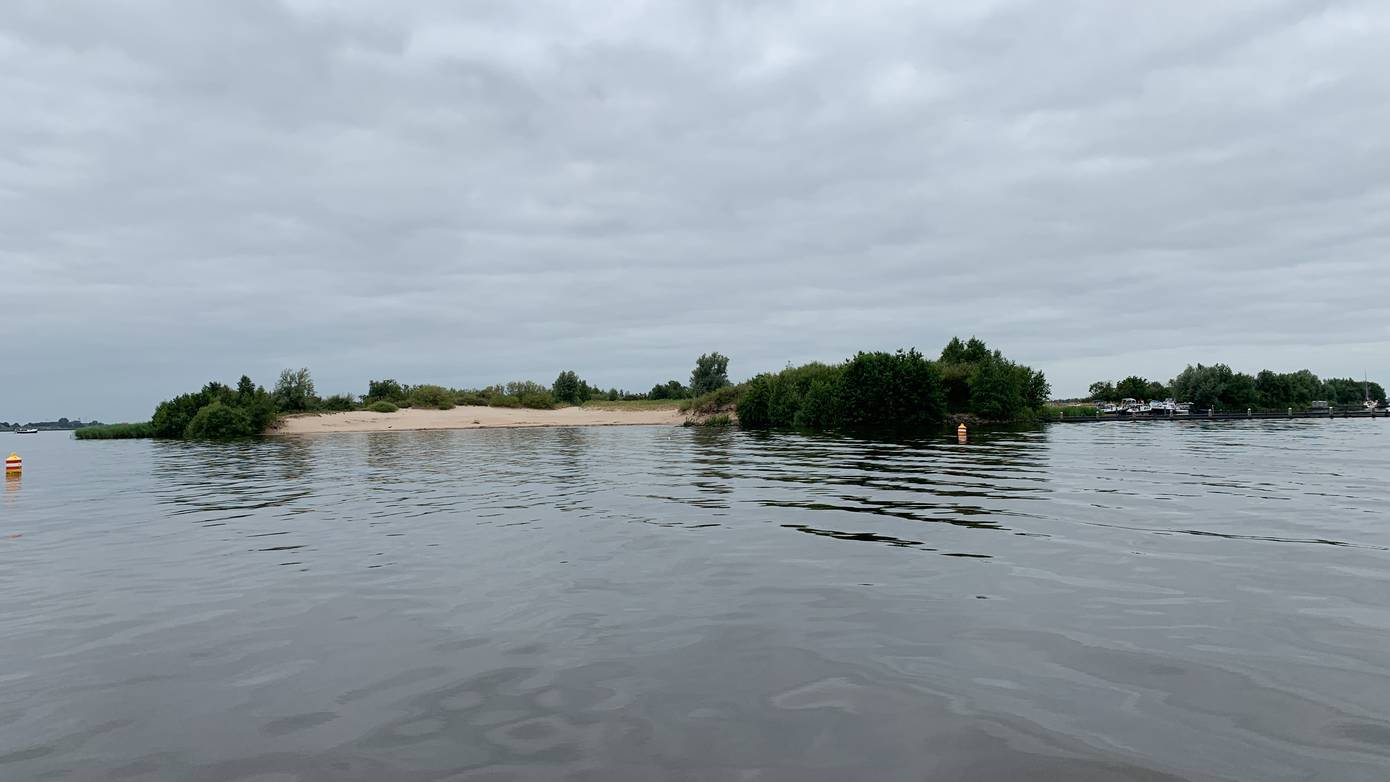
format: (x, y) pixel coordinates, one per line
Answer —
(218, 411)
(1218, 387)
(62, 424)
(901, 390)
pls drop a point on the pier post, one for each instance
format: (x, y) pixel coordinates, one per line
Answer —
(1247, 412)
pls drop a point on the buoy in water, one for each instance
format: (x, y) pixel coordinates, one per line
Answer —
(13, 464)
(961, 433)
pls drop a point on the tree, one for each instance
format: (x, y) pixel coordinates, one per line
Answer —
(891, 390)
(295, 390)
(711, 373)
(218, 421)
(671, 389)
(384, 390)
(245, 389)
(569, 389)
(1102, 391)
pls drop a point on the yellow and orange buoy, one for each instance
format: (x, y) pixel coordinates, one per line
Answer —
(961, 434)
(13, 464)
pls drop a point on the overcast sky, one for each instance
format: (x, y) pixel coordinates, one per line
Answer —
(466, 193)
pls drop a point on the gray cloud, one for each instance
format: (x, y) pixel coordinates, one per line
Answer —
(472, 194)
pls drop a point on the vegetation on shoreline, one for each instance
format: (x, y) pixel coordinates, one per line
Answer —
(902, 390)
(61, 425)
(1218, 387)
(870, 390)
(115, 431)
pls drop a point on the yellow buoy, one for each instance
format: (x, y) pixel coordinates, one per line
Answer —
(961, 433)
(13, 464)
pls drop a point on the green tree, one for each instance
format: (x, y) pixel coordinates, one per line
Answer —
(295, 391)
(569, 389)
(711, 373)
(1102, 391)
(384, 390)
(891, 390)
(219, 421)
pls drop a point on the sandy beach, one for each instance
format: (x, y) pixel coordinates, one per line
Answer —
(412, 419)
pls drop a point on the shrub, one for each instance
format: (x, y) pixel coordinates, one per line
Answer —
(713, 401)
(538, 400)
(115, 431)
(388, 389)
(339, 403)
(471, 398)
(900, 389)
(382, 406)
(218, 421)
(754, 401)
(504, 400)
(718, 419)
(431, 396)
(171, 417)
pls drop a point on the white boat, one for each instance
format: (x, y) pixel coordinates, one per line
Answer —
(26, 431)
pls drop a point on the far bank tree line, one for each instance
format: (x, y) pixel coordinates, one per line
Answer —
(219, 411)
(1218, 387)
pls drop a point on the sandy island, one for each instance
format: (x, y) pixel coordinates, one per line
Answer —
(411, 419)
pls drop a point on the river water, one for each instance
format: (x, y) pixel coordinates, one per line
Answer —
(1114, 601)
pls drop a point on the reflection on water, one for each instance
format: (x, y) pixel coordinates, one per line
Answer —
(1101, 602)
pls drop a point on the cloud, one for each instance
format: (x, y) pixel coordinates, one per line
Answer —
(470, 194)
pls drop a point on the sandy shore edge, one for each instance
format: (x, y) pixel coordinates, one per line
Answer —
(413, 420)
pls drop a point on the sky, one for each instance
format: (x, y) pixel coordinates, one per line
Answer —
(470, 193)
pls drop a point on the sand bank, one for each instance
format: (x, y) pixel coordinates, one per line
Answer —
(412, 419)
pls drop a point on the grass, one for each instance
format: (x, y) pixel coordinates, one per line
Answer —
(714, 401)
(115, 432)
(1070, 411)
(633, 404)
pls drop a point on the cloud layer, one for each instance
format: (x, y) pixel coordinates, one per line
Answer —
(471, 193)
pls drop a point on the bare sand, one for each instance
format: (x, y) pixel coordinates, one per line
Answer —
(412, 419)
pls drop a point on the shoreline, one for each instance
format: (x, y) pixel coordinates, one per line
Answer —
(472, 417)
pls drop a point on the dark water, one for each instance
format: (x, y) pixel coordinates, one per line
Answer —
(1088, 602)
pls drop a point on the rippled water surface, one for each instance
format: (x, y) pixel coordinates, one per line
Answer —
(1120, 601)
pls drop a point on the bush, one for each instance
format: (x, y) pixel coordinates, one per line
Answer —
(431, 396)
(504, 400)
(382, 406)
(718, 419)
(538, 400)
(754, 401)
(388, 389)
(339, 403)
(218, 421)
(471, 399)
(900, 389)
(713, 401)
(115, 431)
(172, 417)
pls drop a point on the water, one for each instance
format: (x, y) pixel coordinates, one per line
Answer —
(1085, 602)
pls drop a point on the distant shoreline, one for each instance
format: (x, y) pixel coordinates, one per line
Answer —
(473, 417)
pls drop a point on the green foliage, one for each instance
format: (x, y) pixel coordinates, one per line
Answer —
(388, 389)
(294, 391)
(900, 389)
(382, 406)
(714, 401)
(755, 402)
(172, 417)
(1101, 391)
(1215, 387)
(504, 400)
(718, 419)
(220, 421)
(711, 372)
(538, 400)
(671, 389)
(339, 403)
(569, 389)
(1072, 411)
(1346, 391)
(431, 396)
(115, 432)
(978, 381)
(471, 398)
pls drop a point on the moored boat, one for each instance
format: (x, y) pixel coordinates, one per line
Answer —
(26, 431)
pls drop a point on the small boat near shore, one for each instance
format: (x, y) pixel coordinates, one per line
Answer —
(26, 431)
